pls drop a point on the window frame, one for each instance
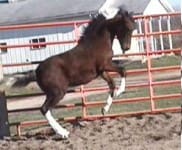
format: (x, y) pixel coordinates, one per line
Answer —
(5, 49)
(39, 42)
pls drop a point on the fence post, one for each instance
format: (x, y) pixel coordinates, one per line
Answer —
(84, 109)
(4, 124)
(1, 70)
(149, 65)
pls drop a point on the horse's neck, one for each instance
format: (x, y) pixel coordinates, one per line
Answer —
(101, 40)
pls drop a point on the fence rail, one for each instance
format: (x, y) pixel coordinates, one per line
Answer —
(85, 105)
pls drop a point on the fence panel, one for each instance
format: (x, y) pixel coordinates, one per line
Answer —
(153, 86)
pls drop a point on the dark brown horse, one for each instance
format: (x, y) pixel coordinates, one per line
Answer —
(92, 57)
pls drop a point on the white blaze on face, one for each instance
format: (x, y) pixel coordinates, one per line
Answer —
(109, 9)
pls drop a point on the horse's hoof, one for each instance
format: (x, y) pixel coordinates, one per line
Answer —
(64, 134)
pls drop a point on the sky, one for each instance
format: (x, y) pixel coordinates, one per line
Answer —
(175, 3)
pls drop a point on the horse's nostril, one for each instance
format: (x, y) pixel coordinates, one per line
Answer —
(125, 48)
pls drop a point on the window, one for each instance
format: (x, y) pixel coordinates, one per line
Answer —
(40, 43)
(3, 50)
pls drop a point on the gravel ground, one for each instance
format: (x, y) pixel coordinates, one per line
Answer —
(147, 132)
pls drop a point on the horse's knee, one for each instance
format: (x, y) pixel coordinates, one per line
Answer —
(123, 71)
(112, 88)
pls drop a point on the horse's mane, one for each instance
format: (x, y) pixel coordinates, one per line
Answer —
(94, 28)
(98, 24)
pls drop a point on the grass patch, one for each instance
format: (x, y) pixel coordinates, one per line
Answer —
(168, 89)
(164, 61)
(130, 93)
(168, 103)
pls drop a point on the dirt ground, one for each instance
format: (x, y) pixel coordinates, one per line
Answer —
(147, 132)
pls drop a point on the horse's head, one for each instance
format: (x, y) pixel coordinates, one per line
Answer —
(122, 26)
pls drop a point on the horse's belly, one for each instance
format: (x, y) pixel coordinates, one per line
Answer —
(82, 78)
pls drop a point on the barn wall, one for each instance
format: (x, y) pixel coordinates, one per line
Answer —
(25, 54)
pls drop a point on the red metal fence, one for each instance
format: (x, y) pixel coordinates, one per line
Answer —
(151, 99)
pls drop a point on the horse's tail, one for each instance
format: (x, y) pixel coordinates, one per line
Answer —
(25, 80)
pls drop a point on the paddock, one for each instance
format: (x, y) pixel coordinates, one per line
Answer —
(149, 127)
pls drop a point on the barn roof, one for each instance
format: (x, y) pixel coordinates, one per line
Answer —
(33, 11)
(44, 10)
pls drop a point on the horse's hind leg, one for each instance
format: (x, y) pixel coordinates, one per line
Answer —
(111, 85)
(50, 102)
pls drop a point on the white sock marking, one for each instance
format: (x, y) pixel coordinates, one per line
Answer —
(121, 87)
(56, 126)
(108, 105)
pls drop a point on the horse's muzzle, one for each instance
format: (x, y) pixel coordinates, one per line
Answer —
(125, 48)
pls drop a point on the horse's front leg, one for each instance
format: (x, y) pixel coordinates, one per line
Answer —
(111, 85)
(122, 72)
(122, 86)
